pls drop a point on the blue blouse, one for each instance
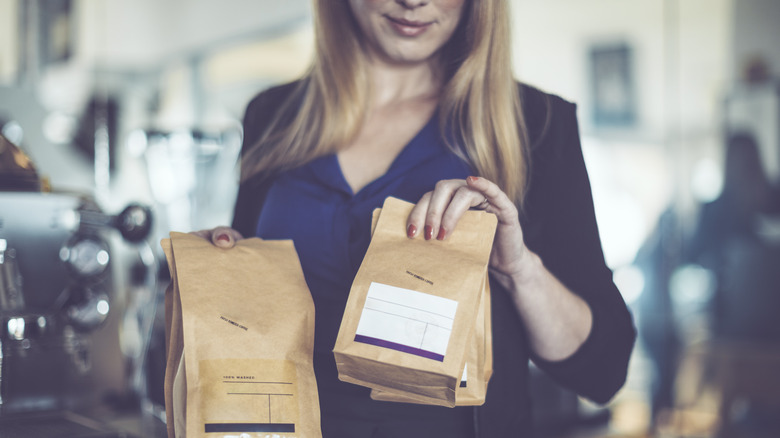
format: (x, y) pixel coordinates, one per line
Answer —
(331, 226)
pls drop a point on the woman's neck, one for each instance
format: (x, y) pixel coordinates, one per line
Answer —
(396, 83)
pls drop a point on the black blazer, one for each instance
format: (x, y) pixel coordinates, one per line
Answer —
(559, 225)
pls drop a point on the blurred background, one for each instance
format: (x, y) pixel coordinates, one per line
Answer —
(121, 122)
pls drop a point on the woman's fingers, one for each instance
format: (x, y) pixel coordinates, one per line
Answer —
(225, 237)
(463, 199)
(222, 237)
(441, 198)
(438, 212)
(416, 221)
(497, 201)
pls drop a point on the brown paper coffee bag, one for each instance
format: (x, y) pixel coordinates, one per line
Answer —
(240, 337)
(479, 358)
(413, 306)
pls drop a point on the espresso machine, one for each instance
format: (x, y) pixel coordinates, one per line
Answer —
(60, 314)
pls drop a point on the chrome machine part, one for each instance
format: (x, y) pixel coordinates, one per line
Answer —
(11, 298)
(1, 374)
(87, 308)
(134, 222)
(87, 256)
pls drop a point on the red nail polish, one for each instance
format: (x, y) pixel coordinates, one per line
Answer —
(411, 231)
(223, 237)
(472, 179)
(428, 232)
(442, 233)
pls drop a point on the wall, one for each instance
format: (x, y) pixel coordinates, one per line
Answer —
(144, 33)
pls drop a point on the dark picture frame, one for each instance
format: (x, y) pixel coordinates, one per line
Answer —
(56, 31)
(612, 86)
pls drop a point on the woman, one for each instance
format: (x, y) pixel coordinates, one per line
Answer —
(412, 98)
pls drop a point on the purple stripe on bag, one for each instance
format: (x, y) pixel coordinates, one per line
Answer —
(399, 347)
(250, 427)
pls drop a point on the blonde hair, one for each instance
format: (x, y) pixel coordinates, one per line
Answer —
(479, 108)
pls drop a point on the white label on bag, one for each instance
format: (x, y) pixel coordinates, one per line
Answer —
(406, 320)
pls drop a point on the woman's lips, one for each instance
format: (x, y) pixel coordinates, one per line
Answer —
(408, 28)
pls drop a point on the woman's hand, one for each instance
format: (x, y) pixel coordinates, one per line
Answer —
(222, 237)
(438, 212)
(557, 321)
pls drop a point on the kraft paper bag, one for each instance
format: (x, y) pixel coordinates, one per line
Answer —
(472, 389)
(412, 308)
(240, 332)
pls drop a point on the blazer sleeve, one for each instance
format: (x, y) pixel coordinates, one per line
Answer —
(259, 113)
(247, 207)
(565, 236)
